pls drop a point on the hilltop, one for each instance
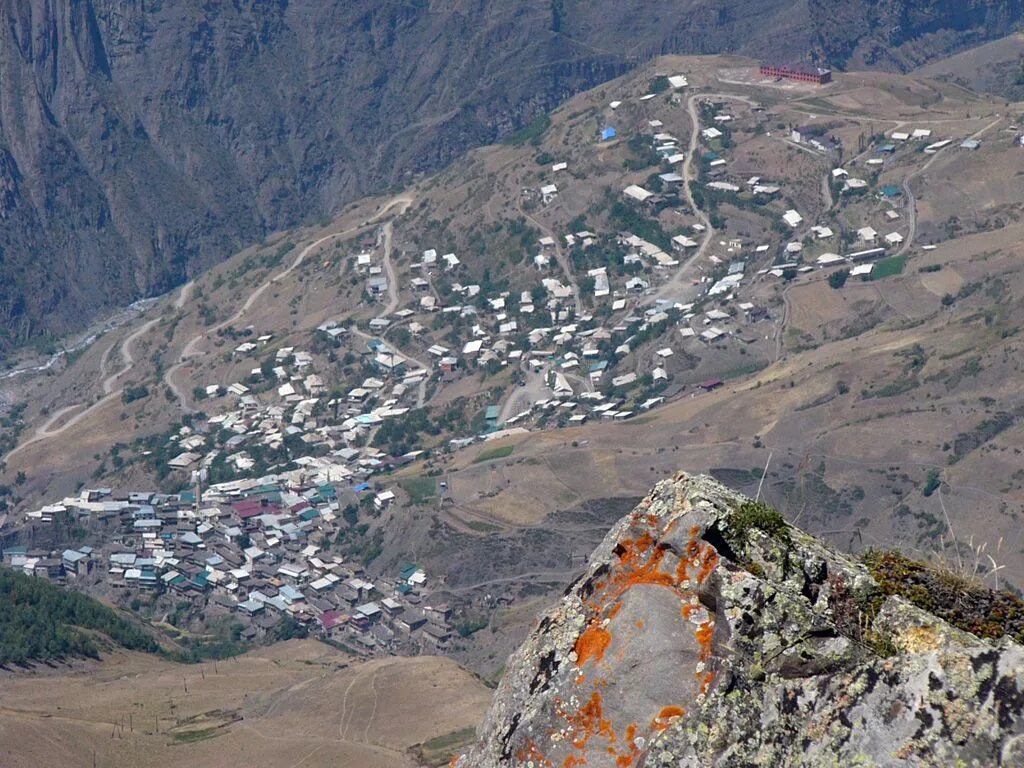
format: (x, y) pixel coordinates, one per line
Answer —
(705, 631)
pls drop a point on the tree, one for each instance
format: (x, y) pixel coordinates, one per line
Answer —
(132, 393)
(838, 278)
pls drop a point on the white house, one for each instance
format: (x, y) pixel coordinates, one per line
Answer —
(634, 192)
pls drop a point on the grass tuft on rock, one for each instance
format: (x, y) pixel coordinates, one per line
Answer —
(756, 515)
(952, 596)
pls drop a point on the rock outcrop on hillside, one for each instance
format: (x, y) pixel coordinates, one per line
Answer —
(143, 141)
(706, 632)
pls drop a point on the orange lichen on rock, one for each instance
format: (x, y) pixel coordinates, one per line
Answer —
(530, 752)
(700, 557)
(704, 634)
(589, 721)
(592, 644)
(664, 718)
(705, 684)
(709, 561)
(632, 754)
(641, 564)
(642, 557)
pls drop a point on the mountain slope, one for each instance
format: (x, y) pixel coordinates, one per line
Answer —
(708, 632)
(140, 143)
(996, 67)
(41, 623)
(901, 34)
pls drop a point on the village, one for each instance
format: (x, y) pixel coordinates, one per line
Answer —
(258, 551)
(678, 291)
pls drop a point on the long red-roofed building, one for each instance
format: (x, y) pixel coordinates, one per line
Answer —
(801, 74)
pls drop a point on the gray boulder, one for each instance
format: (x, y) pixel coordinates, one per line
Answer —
(706, 632)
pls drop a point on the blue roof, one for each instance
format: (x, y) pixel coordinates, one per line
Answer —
(290, 593)
(362, 487)
(608, 133)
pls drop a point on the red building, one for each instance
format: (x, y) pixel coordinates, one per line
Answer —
(801, 74)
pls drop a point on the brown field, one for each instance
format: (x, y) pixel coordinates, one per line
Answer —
(300, 703)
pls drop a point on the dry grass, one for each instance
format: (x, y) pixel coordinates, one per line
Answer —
(297, 704)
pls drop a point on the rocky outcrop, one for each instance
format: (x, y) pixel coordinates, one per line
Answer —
(141, 142)
(706, 632)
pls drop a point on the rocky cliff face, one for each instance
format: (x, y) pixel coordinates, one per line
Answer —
(901, 34)
(707, 632)
(142, 141)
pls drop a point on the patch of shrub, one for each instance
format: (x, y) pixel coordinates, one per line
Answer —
(952, 596)
(756, 515)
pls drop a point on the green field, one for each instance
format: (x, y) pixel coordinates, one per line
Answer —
(495, 453)
(419, 488)
(888, 267)
(438, 751)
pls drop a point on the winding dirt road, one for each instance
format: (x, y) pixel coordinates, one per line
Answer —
(562, 259)
(109, 387)
(679, 279)
(110, 391)
(389, 269)
(909, 193)
(191, 348)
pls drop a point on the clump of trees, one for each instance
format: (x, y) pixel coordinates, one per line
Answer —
(42, 622)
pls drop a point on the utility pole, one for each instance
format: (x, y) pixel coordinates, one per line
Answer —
(763, 476)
